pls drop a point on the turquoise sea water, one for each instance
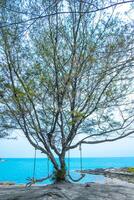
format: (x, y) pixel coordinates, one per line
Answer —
(18, 169)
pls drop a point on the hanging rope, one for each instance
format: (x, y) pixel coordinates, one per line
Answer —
(48, 166)
(81, 164)
(34, 166)
(82, 175)
(68, 161)
(33, 180)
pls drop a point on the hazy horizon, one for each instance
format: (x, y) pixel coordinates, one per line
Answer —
(20, 148)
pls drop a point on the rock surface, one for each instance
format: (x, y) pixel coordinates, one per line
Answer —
(68, 191)
(105, 171)
(119, 173)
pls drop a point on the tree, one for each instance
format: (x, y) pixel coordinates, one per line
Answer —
(3, 135)
(66, 73)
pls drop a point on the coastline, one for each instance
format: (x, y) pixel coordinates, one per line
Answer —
(124, 174)
(111, 176)
(113, 188)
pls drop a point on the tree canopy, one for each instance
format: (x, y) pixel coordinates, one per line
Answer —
(66, 73)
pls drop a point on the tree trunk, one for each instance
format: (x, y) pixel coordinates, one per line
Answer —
(60, 173)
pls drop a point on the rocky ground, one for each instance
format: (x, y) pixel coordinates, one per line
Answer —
(124, 174)
(68, 191)
(118, 185)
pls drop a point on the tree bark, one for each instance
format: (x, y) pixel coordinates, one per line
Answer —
(60, 173)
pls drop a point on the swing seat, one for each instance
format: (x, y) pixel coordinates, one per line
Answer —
(76, 180)
(33, 180)
(81, 174)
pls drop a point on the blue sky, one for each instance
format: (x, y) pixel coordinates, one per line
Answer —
(21, 148)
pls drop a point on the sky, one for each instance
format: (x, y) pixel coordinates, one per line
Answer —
(20, 148)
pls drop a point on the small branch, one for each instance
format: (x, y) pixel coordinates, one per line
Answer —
(100, 141)
(3, 24)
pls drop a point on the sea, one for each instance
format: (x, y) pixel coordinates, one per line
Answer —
(17, 170)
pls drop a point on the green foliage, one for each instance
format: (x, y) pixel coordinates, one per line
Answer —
(111, 47)
(109, 93)
(92, 59)
(121, 42)
(77, 116)
(19, 92)
(59, 175)
(92, 48)
(130, 169)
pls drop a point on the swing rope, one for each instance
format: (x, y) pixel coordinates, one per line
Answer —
(81, 167)
(34, 165)
(68, 161)
(81, 164)
(33, 180)
(48, 166)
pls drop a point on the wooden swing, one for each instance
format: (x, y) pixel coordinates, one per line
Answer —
(33, 180)
(81, 174)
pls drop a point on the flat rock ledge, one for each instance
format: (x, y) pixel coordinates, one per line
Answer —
(68, 191)
(119, 173)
